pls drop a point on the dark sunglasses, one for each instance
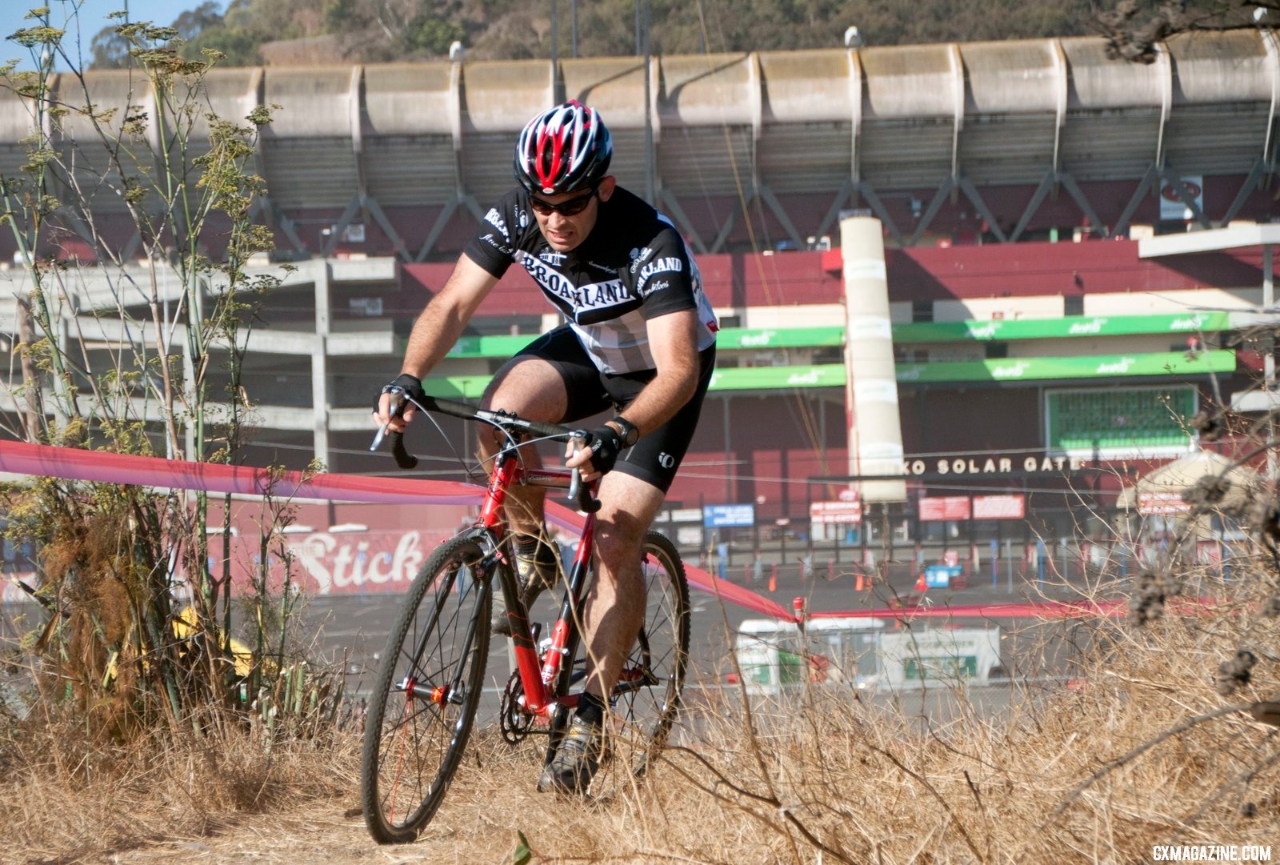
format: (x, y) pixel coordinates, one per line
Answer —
(572, 207)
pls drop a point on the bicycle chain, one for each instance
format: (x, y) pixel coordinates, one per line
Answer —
(515, 722)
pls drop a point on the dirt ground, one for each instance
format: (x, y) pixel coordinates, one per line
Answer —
(317, 832)
(490, 798)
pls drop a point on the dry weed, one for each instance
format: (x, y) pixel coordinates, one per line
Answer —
(69, 795)
(1140, 748)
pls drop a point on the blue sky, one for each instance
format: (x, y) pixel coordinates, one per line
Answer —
(92, 18)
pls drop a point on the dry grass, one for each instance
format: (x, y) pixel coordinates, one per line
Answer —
(1141, 750)
(67, 796)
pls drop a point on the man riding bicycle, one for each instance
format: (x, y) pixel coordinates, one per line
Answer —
(639, 339)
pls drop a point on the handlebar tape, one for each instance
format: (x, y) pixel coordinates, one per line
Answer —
(467, 411)
(404, 459)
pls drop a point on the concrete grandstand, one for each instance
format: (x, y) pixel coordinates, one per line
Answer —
(1037, 351)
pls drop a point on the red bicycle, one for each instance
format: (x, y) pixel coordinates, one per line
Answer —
(432, 672)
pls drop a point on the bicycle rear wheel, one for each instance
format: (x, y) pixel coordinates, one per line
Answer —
(427, 690)
(645, 702)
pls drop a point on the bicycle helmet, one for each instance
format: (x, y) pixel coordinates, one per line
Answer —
(563, 150)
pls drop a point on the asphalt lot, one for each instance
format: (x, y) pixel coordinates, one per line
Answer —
(353, 629)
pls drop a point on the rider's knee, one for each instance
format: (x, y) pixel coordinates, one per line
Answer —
(618, 540)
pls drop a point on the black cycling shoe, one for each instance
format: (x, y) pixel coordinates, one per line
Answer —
(576, 760)
(535, 572)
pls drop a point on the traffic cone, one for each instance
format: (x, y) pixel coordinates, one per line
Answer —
(773, 579)
(858, 584)
(921, 585)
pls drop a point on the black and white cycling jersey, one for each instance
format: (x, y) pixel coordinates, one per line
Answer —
(634, 266)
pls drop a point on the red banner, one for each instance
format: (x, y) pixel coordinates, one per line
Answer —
(946, 508)
(999, 507)
(835, 512)
(1161, 504)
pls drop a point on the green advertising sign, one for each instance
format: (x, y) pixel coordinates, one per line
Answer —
(456, 386)
(941, 667)
(774, 377)
(756, 338)
(1169, 363)
(490, 346)
(1057, 328)
(728, 339)
(746, 338)
(1086, 366)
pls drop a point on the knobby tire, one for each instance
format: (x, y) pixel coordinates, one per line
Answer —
(412, 747)
(643, 712)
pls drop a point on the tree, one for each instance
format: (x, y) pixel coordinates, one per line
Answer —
(1135, 27)
(380, 30)
(110, 50)
(190, 24)
(434, 29)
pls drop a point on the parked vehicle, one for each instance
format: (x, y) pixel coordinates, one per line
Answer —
(775, 657)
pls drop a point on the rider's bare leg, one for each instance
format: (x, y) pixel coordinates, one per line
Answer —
(533, 389)
(615, 604)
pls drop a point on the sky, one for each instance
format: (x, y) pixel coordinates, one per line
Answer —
(92, 18)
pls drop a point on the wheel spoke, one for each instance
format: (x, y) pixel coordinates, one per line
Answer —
(647, 696)
(426, 694)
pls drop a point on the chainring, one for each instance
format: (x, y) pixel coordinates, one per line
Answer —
(514, 721)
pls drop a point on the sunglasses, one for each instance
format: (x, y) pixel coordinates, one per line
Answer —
(572, 207)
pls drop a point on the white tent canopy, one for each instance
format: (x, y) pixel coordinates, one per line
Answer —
(1172, 478)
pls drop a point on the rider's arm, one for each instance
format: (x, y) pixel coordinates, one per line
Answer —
(442, 322)
(440, 325)
(673, 340)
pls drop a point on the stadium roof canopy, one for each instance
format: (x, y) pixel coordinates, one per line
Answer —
(950, 119)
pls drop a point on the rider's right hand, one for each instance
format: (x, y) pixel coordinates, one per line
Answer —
(391, 395)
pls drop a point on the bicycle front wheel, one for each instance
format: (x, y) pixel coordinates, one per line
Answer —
(427, 690)
(645, 702)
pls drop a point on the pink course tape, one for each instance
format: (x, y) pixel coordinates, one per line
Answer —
(1045, 610)
(698, 578)
(104, 467)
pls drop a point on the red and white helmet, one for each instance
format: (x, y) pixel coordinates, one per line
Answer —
(566, 149)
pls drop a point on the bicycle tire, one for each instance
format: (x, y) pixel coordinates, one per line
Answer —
(411, 753)
(646, 701)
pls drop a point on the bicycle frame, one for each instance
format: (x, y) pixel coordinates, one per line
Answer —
(411, 755)
(538, 679)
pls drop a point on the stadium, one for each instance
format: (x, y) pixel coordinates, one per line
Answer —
(1077, 253)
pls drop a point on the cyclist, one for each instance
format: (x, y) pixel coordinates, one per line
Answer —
(639, 339)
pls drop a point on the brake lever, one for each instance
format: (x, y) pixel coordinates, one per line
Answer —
(580, 493)
(575, 480)
(404, 459)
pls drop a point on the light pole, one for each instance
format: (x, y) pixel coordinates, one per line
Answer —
(650, 180)
(558, 85)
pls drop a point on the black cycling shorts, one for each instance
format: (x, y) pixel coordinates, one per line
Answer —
(657, 456)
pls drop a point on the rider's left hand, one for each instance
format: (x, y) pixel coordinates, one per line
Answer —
(597, 453)
(384, 403)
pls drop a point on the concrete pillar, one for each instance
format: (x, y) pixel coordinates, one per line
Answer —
(871, 389)
(1269, 360)
(319, 362)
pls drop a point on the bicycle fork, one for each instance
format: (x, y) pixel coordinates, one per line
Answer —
(451, 692)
